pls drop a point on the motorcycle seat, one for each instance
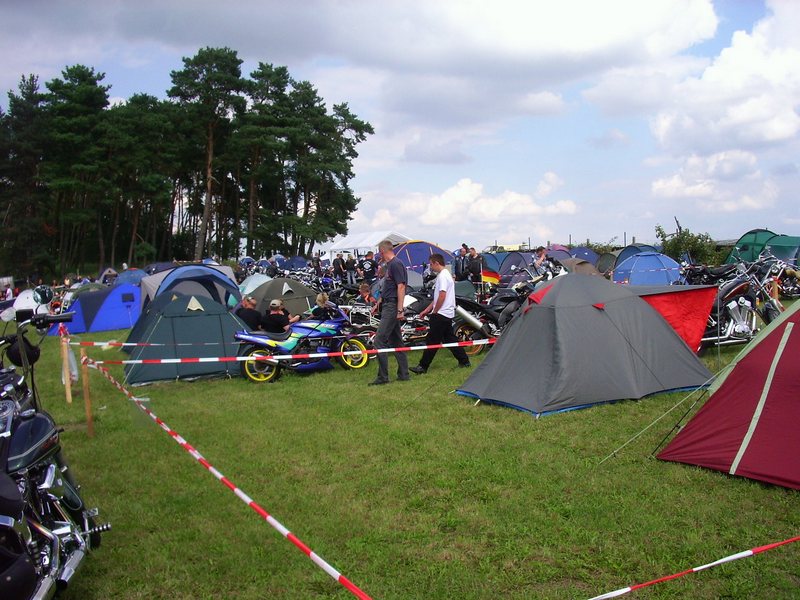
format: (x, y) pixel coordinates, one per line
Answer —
(278, 337)
(722, 270)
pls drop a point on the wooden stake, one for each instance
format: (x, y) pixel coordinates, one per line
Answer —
(87, 397)
(65, 374)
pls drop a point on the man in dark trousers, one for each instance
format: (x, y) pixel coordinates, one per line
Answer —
(442, 310)
(393, 292)
(461, 265)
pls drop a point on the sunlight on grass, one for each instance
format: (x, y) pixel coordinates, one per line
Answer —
(409, 490)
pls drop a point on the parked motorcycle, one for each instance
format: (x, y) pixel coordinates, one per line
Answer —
(310, 336)
(738, 303)
(46, 530)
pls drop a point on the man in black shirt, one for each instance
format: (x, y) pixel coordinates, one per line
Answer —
(367, 268)
(277, 320)
(338, 267)
(248, 313)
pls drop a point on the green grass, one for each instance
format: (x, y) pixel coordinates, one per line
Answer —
(409, 490)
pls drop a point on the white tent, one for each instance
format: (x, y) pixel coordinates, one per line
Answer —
(365, 241)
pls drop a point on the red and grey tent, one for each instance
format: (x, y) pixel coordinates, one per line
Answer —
(749, 425)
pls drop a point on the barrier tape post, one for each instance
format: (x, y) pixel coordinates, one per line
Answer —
(87, 396)
(273, 522)
(65, 374)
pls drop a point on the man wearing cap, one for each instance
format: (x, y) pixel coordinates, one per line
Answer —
(248, 313)
(393, 292)
(277, 320)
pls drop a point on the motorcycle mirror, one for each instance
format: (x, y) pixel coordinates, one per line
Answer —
(42, 294)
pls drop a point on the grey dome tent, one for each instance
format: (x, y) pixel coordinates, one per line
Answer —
(296, 296)
(582, 340)
(187, 327)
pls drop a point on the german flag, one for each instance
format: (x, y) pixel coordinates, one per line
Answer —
(490, 276)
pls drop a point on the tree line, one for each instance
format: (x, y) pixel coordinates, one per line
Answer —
(225, 163)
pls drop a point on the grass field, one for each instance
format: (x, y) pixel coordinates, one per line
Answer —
(409, 490)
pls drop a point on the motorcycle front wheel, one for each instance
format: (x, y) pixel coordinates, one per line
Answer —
(259, 371)
(353, 361)
(464, 333)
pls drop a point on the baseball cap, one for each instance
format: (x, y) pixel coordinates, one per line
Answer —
(275, 303)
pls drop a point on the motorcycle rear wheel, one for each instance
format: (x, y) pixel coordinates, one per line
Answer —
(353, 361)
(464, 333)
(259, 371)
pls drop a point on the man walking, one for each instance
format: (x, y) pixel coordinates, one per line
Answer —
(442, 310)
(393, 292)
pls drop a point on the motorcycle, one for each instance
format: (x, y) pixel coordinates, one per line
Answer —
(46, 530)
(738, 303)
(309, 336)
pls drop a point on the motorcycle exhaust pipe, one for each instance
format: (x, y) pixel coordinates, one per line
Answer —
(70, 568)
(471, 320)
(46, 589)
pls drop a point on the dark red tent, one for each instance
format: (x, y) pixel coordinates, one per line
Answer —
(749, 426)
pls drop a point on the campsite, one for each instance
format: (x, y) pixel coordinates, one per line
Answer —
(400, 300)
(420, 495)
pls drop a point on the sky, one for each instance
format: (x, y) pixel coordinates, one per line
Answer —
(503, 122)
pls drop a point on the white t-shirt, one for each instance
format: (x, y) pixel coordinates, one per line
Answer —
(444, 282)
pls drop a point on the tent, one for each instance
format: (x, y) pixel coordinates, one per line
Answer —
(187, 327)
(685, 307)
(365, 241)
(749, 425)
(581, 340)
(632, 249)
(158, 267)
(585, 253)
(606, 261)
(578, 265)
(252, 282)
(110, 308)
(558, 254)
(513, 259)
(784, 247)
(647, 268)
(107, 276)
(215, 282)
(491, 260)
(138, 329)
(296, 296)
(414, 254)
(132, 275)
(749, 246)
(296, 263)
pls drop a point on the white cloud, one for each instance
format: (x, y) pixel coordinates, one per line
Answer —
(726, 181)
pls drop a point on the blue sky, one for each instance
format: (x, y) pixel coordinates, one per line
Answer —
(508, 121)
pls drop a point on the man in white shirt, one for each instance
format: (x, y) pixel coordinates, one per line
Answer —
(442, 310)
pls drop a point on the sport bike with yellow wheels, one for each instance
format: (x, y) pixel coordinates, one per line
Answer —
(309, 336)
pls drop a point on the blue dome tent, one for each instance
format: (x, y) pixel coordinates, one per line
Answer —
(632, 249)
(116, 307)
(648, 268)
(217, 283)
(585, 253)
(415, 254)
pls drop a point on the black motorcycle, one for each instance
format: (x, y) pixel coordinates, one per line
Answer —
(45, 528)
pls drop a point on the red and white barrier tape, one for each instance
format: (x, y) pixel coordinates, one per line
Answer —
(730, 558)
(318, 560)
(277, 357)
(112, 344)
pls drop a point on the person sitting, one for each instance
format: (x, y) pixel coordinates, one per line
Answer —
(278, 319)
(324, 309)
(248, 314)
(365, 295)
